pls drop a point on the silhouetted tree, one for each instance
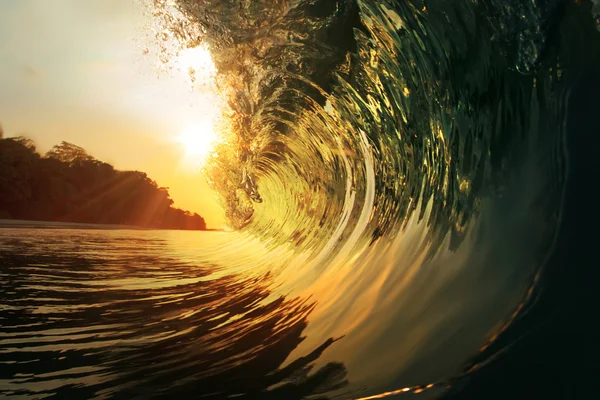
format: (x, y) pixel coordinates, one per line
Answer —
(69, 153)
(70, 185)
(25, 141)
(17, 165)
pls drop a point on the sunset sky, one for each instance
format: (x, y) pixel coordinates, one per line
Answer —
(74, 70)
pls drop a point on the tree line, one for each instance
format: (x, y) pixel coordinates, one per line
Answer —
(68, 185)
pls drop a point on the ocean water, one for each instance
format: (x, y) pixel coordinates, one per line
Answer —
(144, 314)
(412, 187)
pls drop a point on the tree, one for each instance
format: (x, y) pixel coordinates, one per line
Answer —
(69, 153)
(69, 185)
(17, 167)
(25, 141)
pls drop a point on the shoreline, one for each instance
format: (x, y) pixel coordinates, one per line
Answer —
(19, 223)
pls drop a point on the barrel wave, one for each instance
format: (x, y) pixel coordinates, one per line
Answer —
(397, 150)
(395, 173)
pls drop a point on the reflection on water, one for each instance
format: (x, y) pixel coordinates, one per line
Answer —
(152, 314)
(126, 314)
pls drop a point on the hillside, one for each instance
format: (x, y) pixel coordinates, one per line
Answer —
(68, 185)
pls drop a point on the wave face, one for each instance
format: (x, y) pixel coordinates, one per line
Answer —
(406, 153)
(408, 156)
(350, 116)
(396, 172)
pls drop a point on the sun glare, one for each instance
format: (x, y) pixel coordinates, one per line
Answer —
(198, 141)
(197, 64)
(196, 57)
(200, 136)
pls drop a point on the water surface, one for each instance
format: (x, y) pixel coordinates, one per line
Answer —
(404, 177)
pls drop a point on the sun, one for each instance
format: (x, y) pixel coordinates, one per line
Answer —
(201, 130)
(197, 64)
(198, 141)
(196, 57)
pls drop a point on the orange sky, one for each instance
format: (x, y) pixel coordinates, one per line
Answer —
(74, 70)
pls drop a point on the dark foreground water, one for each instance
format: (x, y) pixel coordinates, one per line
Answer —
(126, 314)
(415, 187)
